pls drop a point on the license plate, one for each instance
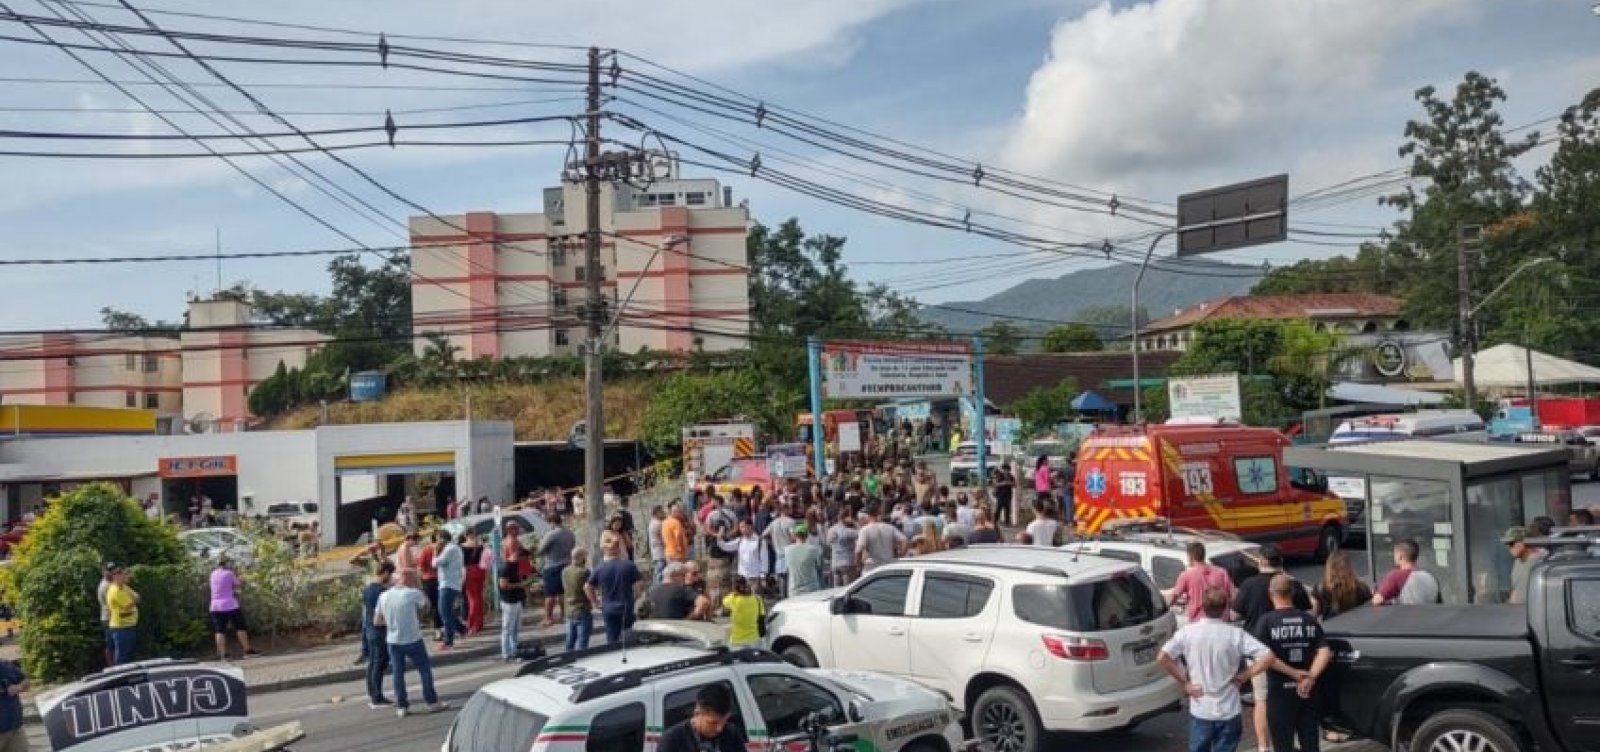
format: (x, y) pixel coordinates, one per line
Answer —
(1144, 654)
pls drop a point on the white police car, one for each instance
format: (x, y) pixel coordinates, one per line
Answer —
(608, 698)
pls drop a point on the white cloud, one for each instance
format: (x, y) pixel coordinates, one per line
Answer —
(1187, 86)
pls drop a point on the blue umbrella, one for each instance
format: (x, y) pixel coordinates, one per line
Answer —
(1089, 402)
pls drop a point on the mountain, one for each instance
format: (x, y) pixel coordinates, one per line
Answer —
(1064, 298)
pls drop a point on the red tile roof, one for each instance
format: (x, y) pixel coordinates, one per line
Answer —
(1311, 306)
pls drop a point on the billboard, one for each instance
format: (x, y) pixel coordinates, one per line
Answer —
(1213, 397)
(859, 369)
(1234, 216)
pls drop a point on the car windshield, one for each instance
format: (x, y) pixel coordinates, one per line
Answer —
(1126, 599)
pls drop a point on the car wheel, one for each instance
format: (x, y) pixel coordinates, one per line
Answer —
(1465, 731)
(1004, 720)
(1328, 541)
(799, 655)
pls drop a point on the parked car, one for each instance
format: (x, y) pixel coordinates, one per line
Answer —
(743, 473)
(1488, 678)
(1024, 639)
(529, 520)
(1164, 555)
(287, 516)
(210, 543)
(620, 697)
(1583, 447)
(964, 464)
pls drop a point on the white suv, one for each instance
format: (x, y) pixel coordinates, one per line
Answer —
(606, 699)
(1164, 556)
(1024, 639)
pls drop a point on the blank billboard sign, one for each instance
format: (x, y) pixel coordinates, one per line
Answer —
(1234, 216)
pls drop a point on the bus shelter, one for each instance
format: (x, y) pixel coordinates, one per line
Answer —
(1455, 499)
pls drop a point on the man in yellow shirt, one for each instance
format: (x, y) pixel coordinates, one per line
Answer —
(123, 602)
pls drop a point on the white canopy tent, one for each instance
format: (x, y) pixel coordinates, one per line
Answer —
(1507, 366)
(1346, 391)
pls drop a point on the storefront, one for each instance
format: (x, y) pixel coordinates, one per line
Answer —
(1455, 499)
(200, 485)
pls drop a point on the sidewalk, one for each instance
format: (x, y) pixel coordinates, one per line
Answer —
(333, 664)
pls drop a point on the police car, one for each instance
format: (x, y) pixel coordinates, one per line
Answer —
(616, 698)
(157, 706)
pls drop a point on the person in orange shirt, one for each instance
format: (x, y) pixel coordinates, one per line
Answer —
(675, 534)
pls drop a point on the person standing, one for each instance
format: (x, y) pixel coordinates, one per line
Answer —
(879, 543)
(399, 611)
(675, 534)
(1041, 481)
(556, 551)
(375, 635)
(1340, 589)
(12, 684)
(1296, 641)
(658, 545)
(123, 602)
(580, 620)
(1005, 488)
(1405, 584)
(451, 565)
(1522, 561)
(745, 612)
(749, 550)
(1045, 529)
(805, 562)
(513, 593)
(1251, 603)
(226, 613)
(613, 586)
(1193, 582)
(842, 537)
(430, 580)
(779, 534)
(107, 576)
(474, 557)
(1204, 658)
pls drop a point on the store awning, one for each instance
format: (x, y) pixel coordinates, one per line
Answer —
(399, 463)
(1089, 402)
(20, 475)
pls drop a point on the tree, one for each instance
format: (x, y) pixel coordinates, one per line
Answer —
(1070, 338)
(689, 398)
(1043, 407)
(132, 323)
(57, 565)
(1001, 337)
(1286, 367)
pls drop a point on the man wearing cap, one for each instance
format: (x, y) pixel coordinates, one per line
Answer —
(805, 562)
(1521, 564)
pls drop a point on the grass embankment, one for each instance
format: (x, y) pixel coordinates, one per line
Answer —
(543, 411)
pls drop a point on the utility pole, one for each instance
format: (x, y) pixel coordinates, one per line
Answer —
(594, 450)
(1464, 304)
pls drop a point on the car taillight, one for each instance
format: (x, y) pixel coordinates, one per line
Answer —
(1076, 648)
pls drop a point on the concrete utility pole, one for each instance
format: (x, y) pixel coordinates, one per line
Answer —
(594, 451)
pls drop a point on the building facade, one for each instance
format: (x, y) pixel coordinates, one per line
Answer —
(201, 374)
(1338, 313)
(514, 284)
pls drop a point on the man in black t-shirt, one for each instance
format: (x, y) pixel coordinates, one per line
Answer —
(674, 599)
(513, 592)
(1296, 640)
(709, 729)
(1251, 603)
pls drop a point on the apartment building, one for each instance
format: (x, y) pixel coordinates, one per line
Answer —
(201, 374)
(514, 284)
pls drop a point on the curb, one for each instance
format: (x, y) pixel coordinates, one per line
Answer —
(352, 673)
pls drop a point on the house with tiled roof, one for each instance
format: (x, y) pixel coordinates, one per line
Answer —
(1342, 313)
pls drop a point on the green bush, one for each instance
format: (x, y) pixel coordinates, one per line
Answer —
(55, 570)
(173, 602)
(280, 595)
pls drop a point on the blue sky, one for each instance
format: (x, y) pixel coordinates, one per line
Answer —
(1141, 99)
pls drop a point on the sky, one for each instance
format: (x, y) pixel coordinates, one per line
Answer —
(1143, 101)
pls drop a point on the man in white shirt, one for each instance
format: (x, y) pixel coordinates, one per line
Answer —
(1204, 657)
(400, 612)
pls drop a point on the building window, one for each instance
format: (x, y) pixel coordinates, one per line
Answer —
(582, 270)
(131, 361)
(72, 398)
(130, 399)
(562, 340)
(558, 297)
(152, 402)
(694, 198)
(152, 364)
(667, 199)
(558, 255)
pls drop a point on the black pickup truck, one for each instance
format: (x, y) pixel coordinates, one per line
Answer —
(1485, 678)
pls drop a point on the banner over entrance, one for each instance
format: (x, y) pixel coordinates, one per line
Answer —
(857, 369)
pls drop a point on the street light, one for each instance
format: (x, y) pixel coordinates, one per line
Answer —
(1527, 352)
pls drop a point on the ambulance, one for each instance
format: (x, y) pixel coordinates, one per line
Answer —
(1209, 476)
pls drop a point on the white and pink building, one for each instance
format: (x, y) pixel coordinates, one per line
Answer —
(514, 284)
(203, 371)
